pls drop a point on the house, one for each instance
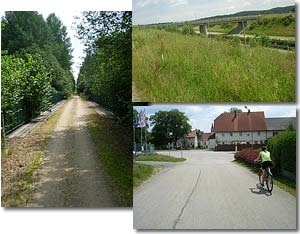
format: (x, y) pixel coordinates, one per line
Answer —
(231, 130)
(204, 140)
(277, 125)
(189, 141)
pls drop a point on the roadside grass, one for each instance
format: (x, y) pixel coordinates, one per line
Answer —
(159, 158)
(171, 67)
(274, 25)
(281, 181)
(20, 162)
(142, 172)
(114, 149)
(223, 28)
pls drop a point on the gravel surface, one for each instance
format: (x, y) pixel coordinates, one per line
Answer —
(71, 175)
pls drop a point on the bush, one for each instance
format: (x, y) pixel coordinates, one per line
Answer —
(283, 150)
(188, 29)
(171, 28)
(246, 155)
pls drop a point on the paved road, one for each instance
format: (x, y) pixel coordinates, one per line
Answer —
(71, 174)
(208, 191)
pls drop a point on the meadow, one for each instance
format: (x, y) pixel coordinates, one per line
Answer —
(171, 67)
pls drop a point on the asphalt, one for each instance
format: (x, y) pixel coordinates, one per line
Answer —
(209, 191)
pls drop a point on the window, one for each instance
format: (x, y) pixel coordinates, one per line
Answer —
(223, 134)
(258, 133)
(231, 133)
(241, 134)
(275, 133)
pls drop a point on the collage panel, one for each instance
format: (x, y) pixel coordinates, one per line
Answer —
(66, 109)
(220, 167)
(214, 51)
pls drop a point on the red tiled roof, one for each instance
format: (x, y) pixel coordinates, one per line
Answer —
(244, 121)
(205, 137)
(191, 134)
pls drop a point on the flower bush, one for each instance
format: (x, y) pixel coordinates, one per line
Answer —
(246, 155)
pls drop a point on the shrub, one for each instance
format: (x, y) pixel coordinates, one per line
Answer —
(283, 150)
(171, 28)
(188, 29)
(246, 155)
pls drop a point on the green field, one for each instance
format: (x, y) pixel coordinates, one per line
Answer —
(273, 25)
(171, 67)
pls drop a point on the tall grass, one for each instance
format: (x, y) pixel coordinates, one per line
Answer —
(170, 67)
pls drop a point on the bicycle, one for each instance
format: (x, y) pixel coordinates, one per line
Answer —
(268, 179)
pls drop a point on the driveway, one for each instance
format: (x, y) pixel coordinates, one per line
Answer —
(209, 191)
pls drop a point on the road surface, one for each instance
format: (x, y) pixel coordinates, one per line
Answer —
(208, 191)
(71, 175)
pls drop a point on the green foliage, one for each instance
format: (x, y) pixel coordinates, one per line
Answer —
(171, 28)
(283, 150)
(105, 75)
(26, 86)
(188, 29)
(168, 127)
(26, 32)
(191, 71)
(273, 25)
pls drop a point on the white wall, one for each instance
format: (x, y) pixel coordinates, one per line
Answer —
(245, 137)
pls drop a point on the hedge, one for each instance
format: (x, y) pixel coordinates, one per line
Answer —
(283, 150)
(246, 155)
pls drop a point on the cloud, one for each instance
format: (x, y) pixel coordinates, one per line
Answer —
(171, 3)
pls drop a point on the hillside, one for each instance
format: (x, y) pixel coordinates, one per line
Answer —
(277, 10)
(273, 25)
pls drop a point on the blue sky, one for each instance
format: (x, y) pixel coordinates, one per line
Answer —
(202, 116)
(154, 11)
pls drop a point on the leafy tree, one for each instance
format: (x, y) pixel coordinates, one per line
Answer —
(234, 109)
(169, 126)
(26, 32)
(105, 75)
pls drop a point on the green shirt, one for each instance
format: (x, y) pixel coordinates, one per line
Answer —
(265, 156)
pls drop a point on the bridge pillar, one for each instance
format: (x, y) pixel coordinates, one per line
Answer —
(203, 29)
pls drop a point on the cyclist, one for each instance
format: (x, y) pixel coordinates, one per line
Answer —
(265, 157)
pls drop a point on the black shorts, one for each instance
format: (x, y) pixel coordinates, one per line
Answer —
(266, 164)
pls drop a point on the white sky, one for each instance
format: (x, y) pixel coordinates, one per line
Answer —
(154, 11)
(202, 116)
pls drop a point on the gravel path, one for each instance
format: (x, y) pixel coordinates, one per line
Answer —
(208, 191)
(71, 175)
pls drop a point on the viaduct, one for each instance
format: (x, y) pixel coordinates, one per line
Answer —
(243, 22)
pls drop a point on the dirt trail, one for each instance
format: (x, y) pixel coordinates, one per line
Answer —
(71, 175)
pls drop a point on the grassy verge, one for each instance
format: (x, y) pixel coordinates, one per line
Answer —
(169, 66)
(142, 172)
(282, 182)
(115, 153)
(20, 163)
(160, 158)
(273, 25)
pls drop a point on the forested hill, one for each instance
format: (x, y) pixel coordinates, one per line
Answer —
(276, 10)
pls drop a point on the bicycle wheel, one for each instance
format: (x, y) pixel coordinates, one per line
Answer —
(269, 183)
